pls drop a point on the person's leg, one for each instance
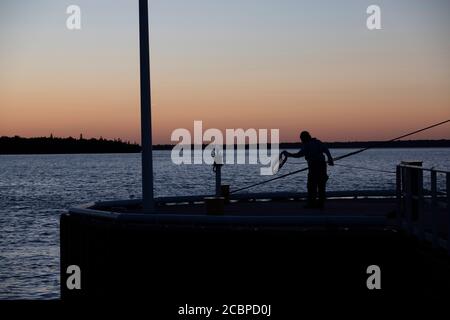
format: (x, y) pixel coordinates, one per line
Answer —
(322, 182)
(311, 186)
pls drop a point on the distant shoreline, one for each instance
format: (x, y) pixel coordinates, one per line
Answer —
(53, 145)
(354, 145)
(50, 145)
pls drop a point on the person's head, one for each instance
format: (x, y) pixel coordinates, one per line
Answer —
(305, 136)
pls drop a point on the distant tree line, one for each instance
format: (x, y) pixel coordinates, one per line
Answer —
(381, 144)
(54, 145)
(351, 145)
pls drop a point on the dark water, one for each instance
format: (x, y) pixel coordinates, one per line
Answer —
(36, 189)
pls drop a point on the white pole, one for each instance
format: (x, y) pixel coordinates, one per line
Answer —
(146, 116)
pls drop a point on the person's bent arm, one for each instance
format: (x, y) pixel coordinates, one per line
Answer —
(293, 155)
(329, 157)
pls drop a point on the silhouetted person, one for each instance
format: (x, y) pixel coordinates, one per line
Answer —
(313, 150)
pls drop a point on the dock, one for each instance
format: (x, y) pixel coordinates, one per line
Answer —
(260, 245)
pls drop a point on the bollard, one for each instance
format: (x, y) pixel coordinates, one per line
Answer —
(225, 192)
(413, 183)
(214, 206)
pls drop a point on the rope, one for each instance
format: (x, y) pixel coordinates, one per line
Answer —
(354, 167)
(363, 168)
(343, 156)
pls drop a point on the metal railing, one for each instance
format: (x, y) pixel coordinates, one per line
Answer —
(424, 213)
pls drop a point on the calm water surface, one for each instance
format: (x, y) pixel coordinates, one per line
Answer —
(36, 189)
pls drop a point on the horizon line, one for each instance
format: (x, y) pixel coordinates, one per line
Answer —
(204, 144)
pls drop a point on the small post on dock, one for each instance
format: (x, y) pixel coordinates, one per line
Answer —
(408, 198)
(434, 210)
(420, 206)
(411, 183)
(218, 169)
(398, 192)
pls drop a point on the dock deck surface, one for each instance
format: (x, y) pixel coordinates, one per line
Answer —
(333, 207)
(337, 211)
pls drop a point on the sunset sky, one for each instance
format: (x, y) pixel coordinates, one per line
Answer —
(286, 64)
